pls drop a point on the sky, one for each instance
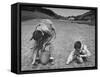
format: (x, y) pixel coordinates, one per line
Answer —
(68, 12)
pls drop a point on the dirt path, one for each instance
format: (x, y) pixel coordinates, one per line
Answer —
(67, 34)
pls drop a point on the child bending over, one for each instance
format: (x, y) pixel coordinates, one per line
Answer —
(79, 54)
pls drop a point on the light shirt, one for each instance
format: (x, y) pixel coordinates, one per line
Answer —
(84, 50)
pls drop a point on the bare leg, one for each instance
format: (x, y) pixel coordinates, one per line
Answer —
(36, 51)
(34, 56)
(80, 60)
(70, 58)
(51, 49)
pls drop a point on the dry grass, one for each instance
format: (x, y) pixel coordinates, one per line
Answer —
(67, 34)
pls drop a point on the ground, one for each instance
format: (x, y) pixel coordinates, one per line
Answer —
(67, 34)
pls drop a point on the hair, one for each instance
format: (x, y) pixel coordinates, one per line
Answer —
(77, 45)
(46, 21)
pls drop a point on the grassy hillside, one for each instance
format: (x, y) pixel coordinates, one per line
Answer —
(88, 17)
(37, 12)
(27, 15)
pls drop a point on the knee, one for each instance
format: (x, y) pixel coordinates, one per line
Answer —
(80, 60)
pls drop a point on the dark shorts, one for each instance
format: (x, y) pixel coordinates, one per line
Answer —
(41, 37)
(37, 35)
(46, 36)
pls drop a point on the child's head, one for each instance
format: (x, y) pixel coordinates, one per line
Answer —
(77, 45)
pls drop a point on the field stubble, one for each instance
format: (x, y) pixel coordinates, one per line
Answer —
(67, 34)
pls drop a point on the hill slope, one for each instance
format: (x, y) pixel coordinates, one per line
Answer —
(26, 15)
(88, 17)
(37, 12)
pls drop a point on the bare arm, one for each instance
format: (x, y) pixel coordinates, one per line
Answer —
(53, 33)
(86, 51)
(70, 57)
(52, 37)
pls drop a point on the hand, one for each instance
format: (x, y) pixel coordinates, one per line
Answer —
(82, 55)
(43, 46)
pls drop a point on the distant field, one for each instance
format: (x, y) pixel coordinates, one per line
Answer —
(90, 23)
(67, 34)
